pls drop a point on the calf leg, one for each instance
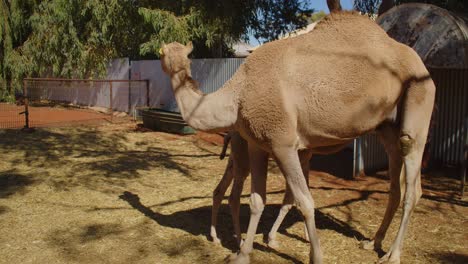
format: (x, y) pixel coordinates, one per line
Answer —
(259, 166)
(218, 195)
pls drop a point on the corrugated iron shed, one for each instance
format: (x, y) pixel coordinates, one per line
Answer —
(440, 37)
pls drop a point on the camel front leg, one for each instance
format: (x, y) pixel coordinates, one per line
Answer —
(288, 201)
(288, 161)
(259, 165)
(218, 195)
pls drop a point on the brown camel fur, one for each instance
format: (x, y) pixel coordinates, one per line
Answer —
(317, 92)
(237, 170)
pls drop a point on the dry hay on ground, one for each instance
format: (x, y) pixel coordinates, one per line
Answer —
(113, 194)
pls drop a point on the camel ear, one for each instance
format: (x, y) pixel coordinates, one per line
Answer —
(161, 52)
(189, 47)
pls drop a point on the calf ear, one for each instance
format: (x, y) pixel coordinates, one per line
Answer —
(189, 47)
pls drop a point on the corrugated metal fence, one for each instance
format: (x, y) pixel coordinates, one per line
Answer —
(371, 154)
(450, 130)
(211, 74)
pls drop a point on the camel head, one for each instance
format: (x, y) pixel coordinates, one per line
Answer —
(174, 57)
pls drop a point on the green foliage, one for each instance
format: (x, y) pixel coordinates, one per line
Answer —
(166, 27)
(274, 18)
(369, 7)
(75, 38)
(317, 16)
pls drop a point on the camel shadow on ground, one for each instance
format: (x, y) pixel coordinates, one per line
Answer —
(196, 221)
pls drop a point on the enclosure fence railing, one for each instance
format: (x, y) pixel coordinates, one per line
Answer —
(105, 96)
(11, 113)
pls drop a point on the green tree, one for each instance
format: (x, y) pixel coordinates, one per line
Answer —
(214, 25)
(75, 38)
(317, 16)
(369, 7)
(14, 30)
(272, 19)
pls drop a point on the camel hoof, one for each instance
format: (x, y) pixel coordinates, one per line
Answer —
(241, 243)
(273, 243)
(389, 259)
(367, 244)
(216, 240)
(239, 258)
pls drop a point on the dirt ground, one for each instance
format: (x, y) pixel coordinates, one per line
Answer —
(48, 116)
(118, 194)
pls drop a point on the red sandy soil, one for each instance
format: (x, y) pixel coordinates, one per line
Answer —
(10, 116)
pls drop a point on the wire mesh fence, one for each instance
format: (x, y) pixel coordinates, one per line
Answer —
(11, 115)
(59, 102)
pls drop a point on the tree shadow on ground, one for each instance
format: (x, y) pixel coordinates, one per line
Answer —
(197, 222)
(85, 157)
(452, 258)
(11, 182)
(446, 189)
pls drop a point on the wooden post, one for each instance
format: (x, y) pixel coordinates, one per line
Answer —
(463, 171)
(129, 96)
(111, 109)
(26, 105)
(147, 94)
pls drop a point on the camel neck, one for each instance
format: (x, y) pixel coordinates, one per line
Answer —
(207, 112)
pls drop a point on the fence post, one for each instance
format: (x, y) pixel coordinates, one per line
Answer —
(147, 94)
(111, 109)
(129, 96)
(358, 166)
(26, 105)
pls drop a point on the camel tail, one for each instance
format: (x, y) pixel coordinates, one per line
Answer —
(227, 138)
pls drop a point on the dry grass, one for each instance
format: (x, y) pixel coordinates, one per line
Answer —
(112, 194)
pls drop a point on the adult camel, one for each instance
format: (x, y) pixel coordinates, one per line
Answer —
(317, 92)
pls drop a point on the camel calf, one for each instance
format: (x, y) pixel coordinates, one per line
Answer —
(237, 170)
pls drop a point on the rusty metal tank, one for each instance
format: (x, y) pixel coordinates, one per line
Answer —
(440, 37)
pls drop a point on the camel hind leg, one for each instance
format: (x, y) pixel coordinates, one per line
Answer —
(416, 115)
(389, 137)
(288, 201)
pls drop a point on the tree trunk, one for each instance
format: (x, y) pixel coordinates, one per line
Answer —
(334, 5)
(385, 6)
